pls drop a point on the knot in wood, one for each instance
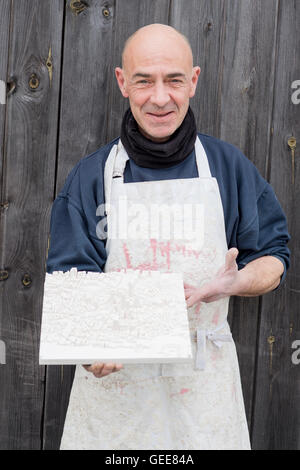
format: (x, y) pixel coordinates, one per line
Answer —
(78, 6)
(11, 86)
(4, 205)
(292, 142)
(271, 339)
(34, 81)
(105, 12)
(3, 275)
(26, 281)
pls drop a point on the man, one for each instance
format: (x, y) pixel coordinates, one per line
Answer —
(243, 253)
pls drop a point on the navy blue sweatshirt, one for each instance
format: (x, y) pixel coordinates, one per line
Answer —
(254, 220)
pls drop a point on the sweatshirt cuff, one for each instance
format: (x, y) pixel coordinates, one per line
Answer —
(282, 278)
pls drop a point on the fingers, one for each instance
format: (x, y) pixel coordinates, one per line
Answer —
(192, 300)
(101, 370)
(188, 290)
(188, 293)
(192, 297)
(188, 286)
(209, 292)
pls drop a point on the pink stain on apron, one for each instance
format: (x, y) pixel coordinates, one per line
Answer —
(214, 355)
(153, 244)
(216, 317)
(127, 256)
(165, 251)
(181, 392)
(197, 307)
(181, 248)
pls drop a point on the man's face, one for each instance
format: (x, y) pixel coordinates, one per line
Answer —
(159, 79)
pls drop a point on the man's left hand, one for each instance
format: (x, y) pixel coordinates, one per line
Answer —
(258, 277)
(224, 284)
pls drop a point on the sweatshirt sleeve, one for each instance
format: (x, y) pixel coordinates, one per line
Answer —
(266, 233)
(254, 220)
(71, 243)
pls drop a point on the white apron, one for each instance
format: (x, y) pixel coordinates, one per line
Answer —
(166, 406)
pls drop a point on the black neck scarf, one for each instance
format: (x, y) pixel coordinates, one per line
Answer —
(149, 154)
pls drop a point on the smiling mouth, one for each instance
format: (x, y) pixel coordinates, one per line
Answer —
(160, 116)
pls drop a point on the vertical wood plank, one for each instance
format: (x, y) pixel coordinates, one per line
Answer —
(5, 8)
(248, 77)
(245, 118)
(203, 24)
(28, 179)
(86, 70)
(86, 74)
(277, 414)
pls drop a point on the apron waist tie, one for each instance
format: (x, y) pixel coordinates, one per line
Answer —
(216, 339)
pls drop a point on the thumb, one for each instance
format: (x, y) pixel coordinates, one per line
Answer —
(230, 260)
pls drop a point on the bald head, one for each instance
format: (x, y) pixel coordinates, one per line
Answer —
(156, 34)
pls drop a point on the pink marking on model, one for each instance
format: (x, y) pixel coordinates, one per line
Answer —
(120, 386)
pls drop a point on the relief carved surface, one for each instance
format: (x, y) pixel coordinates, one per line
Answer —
(130, 316)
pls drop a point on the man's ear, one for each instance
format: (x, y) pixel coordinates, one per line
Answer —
(194, 80)
(121, 81)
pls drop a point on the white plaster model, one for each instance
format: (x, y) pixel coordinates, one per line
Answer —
(128, 317)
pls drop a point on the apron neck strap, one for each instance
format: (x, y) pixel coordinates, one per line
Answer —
(114, 166)
(201, 160)
(120, 161)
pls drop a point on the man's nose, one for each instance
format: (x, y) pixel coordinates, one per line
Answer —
(160, 96)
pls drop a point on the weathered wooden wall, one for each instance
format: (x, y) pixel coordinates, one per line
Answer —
(57, 58)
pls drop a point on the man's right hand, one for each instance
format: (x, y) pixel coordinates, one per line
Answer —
(99, 369)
